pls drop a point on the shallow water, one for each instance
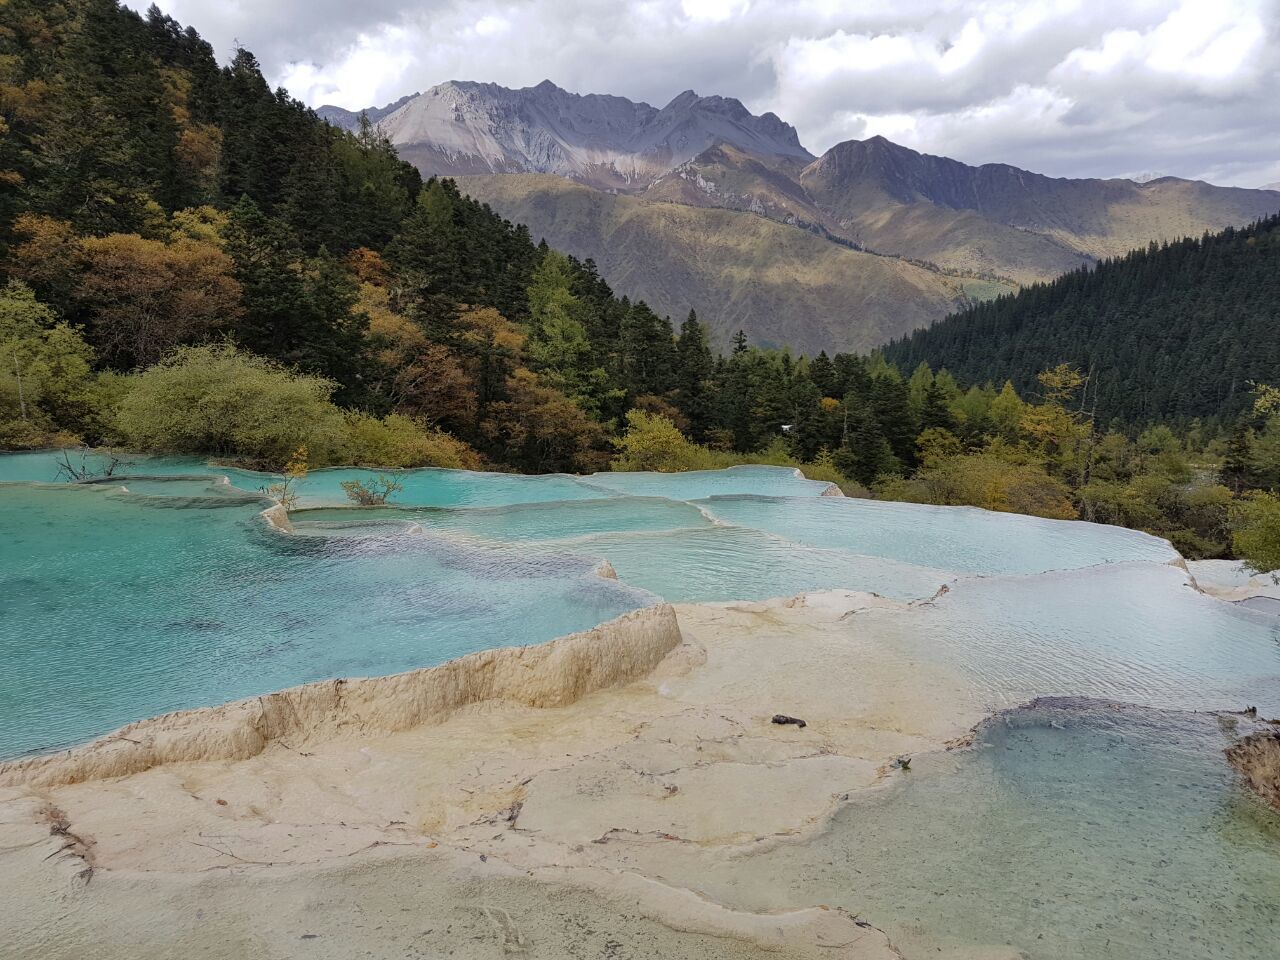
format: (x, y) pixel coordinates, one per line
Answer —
(1137, 633)
(715, 563)
(963, 539)
(1073, 831)
(200, 603)
(114, 608)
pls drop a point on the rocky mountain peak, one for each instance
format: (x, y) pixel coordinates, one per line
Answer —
(463, 127)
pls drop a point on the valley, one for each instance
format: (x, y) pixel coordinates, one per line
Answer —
(961, 234)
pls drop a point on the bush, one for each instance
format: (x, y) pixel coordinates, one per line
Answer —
(217, 400)
(1255, 530)
(652, 442)
(400, 441)
(25, 435)
(371, 494)
(987, 481)
(823, 467)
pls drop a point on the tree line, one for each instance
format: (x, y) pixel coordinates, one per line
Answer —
(197, 264)
(1171, 333)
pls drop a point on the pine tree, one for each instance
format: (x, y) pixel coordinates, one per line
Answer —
(1237, 461)
(694, 367)
(935, 410)
(823, 374)
(296, 310)
(867, 455)
(648, 351)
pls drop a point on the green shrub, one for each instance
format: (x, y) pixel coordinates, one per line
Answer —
(400, 441)
(984, 480)
(46, 374)
(653, 442)
(1255, 530)
(26, 435)
(218, 400)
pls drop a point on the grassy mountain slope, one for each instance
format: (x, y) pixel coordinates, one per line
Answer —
(993, 220)
(1170, 332)
(781, 284)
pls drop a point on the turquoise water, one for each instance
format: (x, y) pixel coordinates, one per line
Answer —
(699, 484)
(114, 608)
(161, 588)
(1073, 831)
(737, 563)
(963, 539)
(521, 522)
(1089, 829)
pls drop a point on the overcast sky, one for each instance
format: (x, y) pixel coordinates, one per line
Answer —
(1085, 88)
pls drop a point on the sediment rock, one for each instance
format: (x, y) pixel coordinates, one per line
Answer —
(1257, 756)
(547, 675)
(535, 801)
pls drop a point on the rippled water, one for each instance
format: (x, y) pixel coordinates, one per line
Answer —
(1077, 830)
(963, 539)
(116, 607)
(162, 588)
(1137, 633)
(1074, 831)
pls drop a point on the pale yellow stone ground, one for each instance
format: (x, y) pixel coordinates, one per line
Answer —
(503, 829)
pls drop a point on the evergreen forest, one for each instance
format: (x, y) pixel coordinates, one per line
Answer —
(195, 263)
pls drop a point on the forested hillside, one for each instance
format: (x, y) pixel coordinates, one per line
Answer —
(1168, 333)
(197, 264)
(163, 213)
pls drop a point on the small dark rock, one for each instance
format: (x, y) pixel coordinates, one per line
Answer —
(782, 718)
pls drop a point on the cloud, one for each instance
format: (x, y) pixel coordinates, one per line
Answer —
(1065, 87)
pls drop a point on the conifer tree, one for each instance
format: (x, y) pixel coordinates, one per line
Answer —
(694, 367)
(1237, 461)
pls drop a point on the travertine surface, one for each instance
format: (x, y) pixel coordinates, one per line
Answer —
(519, 802)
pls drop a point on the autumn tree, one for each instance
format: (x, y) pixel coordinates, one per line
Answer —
(142, 297)
(539, 429)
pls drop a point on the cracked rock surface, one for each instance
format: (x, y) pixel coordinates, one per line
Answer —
(503, 829)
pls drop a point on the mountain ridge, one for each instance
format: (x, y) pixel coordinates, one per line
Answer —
(462, 127)
(349, 120)
(784, 286)
(994, 226)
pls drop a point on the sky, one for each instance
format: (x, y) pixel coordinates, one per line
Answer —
(1068, 88)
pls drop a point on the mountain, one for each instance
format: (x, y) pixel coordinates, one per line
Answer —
(611, 142)
(979, 230)
(1171, 332)
(1273, 186)
(782, 285)
(992, 220)
(349, 120)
